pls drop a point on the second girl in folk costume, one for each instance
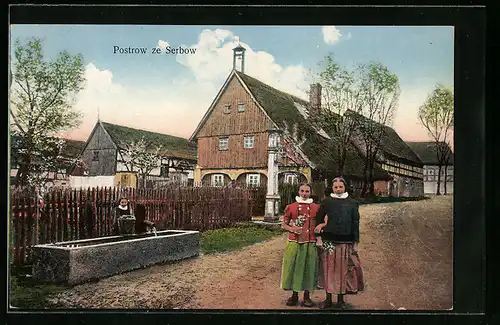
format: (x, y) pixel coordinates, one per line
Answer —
(338, 225)
(299, 272)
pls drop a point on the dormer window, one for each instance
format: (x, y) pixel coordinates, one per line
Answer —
(95, 156)
(227, 108)
(241, 107)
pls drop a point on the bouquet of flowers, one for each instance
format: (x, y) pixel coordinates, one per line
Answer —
(329, 246)
(300, 221)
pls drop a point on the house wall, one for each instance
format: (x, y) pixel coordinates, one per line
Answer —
(403, 186)
(236, 156)
(102, 143)
(430, 179)
(91, 181)
(236, 125)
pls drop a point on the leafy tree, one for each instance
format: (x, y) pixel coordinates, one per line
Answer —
(378, 98)
(436, 115)
(42, 95)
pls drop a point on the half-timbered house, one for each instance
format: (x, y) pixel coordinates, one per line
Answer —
(394, 156)
(64, 166)
(427, 152)
(105, 154)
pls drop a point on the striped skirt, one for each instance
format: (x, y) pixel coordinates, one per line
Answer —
(340, 270)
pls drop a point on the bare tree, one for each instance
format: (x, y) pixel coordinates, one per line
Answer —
(42, 95)
(436, 115)
(379, 95)
(144, 157)
(341, 92)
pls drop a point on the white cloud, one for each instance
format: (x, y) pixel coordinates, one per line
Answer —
(214, 60)
(331, 34)
(162, 45)
(177, 106)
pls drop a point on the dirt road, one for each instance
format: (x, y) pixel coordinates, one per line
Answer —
(405, 251)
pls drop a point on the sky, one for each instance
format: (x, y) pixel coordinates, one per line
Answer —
(169, 93)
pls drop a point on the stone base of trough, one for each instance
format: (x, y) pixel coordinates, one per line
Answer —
(80, 261)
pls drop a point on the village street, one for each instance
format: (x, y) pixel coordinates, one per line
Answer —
(405, 251)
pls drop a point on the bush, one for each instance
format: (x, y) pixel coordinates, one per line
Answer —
(228, 239)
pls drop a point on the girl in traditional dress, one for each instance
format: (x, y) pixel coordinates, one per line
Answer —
(299, 271)
(341, 271)
(122, 209)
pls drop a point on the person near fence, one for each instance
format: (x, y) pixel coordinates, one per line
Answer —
(122, 209)
(299, 269)
(340, 270)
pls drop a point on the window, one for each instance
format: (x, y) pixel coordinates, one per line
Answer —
(95, 156)
(449, 178)
(431, 171)
(223, 144)
(291, 179)
(430, 178)
(248, 142)
(253, 179)
(241, 107)
(227, 108)
(218, 180)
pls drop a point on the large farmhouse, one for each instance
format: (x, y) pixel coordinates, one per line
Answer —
(235, 136)
(105, 154)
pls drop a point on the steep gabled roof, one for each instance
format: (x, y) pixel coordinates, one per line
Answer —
(283, 108)
(72, 148)
(391, 142)
(172, 146)
(427, 152)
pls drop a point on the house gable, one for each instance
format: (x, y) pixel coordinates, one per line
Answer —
(224, 117)
(99, 153)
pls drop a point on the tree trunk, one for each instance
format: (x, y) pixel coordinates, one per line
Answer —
(365, 179)
(342, 157)
(438, 190)
(445, 178)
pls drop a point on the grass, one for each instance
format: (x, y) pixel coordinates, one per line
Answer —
(229, 239)
(26, 293)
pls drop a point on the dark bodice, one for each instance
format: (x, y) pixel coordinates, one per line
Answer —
(343, 219)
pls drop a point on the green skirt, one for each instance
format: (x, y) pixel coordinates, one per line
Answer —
(300, 265)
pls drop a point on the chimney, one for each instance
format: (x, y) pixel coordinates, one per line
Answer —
(314, 99)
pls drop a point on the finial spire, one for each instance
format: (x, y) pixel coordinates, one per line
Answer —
(98, 114)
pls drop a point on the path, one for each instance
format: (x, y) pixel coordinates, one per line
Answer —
(405, 250)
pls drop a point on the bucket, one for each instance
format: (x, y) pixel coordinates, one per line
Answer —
(126, 225)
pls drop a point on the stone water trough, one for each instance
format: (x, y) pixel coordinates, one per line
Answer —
(75, 262)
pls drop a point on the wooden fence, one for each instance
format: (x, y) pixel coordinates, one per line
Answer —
(66, 214)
